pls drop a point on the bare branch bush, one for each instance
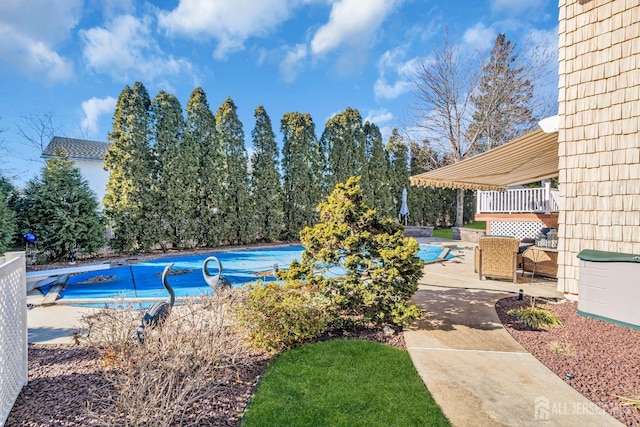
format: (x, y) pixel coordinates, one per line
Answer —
(179, 373)
(110, 331)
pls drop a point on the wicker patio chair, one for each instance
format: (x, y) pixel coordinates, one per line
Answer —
(540, 261)
(497, 256)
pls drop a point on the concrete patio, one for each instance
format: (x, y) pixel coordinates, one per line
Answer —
(475, 370)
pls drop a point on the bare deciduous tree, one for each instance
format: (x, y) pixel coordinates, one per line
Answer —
(38, 130)
(444, 85)
(460, 102)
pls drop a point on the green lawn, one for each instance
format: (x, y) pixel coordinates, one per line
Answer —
(447, 233)
(343, 383)
(443, 233)
(479, 225)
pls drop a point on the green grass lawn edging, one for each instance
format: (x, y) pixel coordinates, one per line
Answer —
(442, 233)
(447, 233)
(343, 382)
(478, 225)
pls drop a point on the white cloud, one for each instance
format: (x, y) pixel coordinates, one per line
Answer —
(379, 116)
(290, 65)
(392, 65)
(30, 33)
(480, 37)
(543, 39)
(43, 20)
(230, 22)
(93, 108)
(112, 8)
(384, 90)
(125, 49)
(425, 31)
(352, 22)
(386, 132)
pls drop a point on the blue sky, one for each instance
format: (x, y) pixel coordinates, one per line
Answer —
(72, 58)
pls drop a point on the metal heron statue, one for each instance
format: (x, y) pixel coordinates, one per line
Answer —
(217, 283)
(159, 311)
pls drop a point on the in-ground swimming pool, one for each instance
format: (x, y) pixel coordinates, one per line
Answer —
(142, 280)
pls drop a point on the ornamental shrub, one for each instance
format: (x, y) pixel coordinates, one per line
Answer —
(280, 316)
(380, 264)
(535, 317)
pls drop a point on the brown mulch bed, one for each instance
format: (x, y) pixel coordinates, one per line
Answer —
(599, 359)
(63, 379)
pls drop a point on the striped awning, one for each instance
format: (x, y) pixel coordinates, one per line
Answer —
(530, 158)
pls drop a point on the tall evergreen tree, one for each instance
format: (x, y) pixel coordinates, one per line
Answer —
(201, 137)
(375, 184)
(128, 160)
(429, 205)
(399, 168)
(302, 166)
(344, 145)
(237, 210)
(188, 160)
(174, 174)
(63, 212)
(266, 188)
(503, 100)
(7, 226)
(8, 220)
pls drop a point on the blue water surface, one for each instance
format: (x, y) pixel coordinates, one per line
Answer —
(143, 280)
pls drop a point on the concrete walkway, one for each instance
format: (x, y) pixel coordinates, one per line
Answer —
(475, 370)
(53, 324)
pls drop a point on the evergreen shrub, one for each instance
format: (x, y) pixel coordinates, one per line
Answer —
(278, 317)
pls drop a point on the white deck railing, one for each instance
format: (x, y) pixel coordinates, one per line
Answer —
(521, 200)
(13, 330)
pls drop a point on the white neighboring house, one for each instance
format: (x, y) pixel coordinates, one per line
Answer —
(88, 156)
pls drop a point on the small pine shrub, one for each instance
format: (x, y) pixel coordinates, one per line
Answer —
(535, 317)
(276, 316)
(381, 266)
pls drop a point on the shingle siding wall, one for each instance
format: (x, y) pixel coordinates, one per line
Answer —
(599, 143)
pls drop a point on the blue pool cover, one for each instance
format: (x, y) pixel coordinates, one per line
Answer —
(143, 280)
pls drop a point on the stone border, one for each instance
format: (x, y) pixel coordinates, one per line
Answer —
(416, 231)
(467, 234)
